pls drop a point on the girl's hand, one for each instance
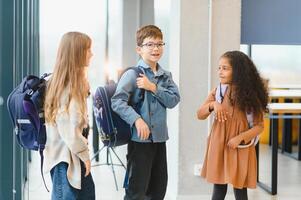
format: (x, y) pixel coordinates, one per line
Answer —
(88, 167)
(234, 142)
(220, 112)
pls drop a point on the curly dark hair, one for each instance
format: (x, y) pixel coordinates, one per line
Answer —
(251, 94)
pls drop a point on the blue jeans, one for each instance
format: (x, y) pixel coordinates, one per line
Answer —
(62, 190)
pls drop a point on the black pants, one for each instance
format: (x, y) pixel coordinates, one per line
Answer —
(147, 170)
(220, 190)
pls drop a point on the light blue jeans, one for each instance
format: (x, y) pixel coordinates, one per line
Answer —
(62, 190)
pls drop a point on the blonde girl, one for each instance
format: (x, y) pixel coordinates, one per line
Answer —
(66, 153)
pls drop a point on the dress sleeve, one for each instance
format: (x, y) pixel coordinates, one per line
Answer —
(203, 111)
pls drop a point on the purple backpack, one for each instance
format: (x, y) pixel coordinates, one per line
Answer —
(113, 130)
(25, 106)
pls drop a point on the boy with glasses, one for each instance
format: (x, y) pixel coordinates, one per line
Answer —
(146, 157)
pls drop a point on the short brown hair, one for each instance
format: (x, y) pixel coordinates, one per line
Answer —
(149, 31)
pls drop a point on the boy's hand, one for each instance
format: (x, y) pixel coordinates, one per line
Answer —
(220, 112)
(142, 129)
(144, 83)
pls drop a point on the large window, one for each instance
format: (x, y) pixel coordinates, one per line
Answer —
(280, 64)
(56, 18)
(162, 19)
(60, 16)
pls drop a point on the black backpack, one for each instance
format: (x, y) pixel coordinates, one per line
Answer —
(25, 106)
(113, 130)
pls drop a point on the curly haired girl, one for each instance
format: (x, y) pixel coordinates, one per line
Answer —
(243, 94)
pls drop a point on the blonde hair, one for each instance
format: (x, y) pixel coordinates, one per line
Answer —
(69, 73)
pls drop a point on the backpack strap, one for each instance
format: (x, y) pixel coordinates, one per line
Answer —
(45, 76)
(42, 141)
(42, 163)
(219, 97)
(220, 92)
(138, 70)
(37, 119)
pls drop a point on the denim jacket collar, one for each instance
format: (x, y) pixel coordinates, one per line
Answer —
(160, 70)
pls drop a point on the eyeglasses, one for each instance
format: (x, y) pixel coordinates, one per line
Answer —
(151, 45)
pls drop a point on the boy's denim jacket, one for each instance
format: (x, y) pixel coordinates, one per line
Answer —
(153, 109)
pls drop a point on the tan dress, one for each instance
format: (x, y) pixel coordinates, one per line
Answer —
(222, 164)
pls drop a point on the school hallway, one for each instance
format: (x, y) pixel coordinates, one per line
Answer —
(289, 180)
(196, 34)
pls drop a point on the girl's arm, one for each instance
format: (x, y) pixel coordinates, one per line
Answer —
(70, 129)
(257, 128)
(248, 135)
(207, 107)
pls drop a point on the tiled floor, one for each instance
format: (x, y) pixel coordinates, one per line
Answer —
(289, 180)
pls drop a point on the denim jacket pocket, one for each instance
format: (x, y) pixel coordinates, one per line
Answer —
(165, 82)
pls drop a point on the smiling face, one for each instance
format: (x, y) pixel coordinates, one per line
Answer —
(151, 50)
(225, 71)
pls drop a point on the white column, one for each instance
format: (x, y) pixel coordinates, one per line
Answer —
(136, 13)
(225, 31)
(200, 31)
(147, 15)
